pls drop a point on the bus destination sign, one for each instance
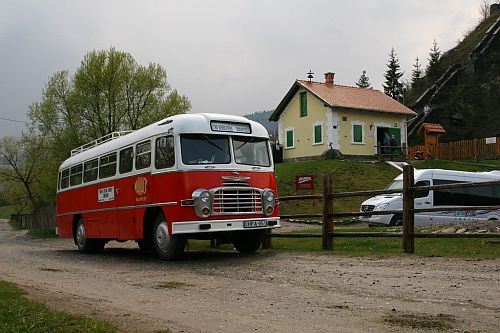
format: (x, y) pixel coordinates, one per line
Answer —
(223, 126)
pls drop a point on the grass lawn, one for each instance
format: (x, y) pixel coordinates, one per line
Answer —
(5, 212)
(19, 314)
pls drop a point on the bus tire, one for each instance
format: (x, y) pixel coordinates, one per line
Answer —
(84, 244)
(146, 245)
(168, 247)
(248, 241)
(396, 220)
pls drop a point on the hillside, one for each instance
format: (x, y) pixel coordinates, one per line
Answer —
(464, 95)
(262, 117)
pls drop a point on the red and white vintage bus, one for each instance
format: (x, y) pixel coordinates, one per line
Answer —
(199, 176)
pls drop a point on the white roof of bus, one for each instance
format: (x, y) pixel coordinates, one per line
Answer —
(185, 123)
(419, 173)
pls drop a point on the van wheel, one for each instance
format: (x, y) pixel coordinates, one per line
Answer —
(248, 241)
(397, 220)
(168, 247)
(84, 244)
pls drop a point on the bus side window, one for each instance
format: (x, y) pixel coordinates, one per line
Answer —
(422, 193)
(107, 166)
(126, 160)
(65, 178)
(90, 170)
(143, 155)
(76, 175)
(165, 157)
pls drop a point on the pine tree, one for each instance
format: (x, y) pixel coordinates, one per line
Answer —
(393, 87)
(363, 81)
(434, 55)
(416, 74)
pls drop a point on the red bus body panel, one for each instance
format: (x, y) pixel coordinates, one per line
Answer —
(123, 217)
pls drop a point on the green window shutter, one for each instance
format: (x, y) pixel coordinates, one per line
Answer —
(289, 139)
(357, 133)
(318, 137)
(303, 104)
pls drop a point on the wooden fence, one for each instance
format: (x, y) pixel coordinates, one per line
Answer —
(408, 235)
(475, 149)
(42, 218)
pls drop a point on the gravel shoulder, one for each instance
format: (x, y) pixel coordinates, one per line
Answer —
(215, 291)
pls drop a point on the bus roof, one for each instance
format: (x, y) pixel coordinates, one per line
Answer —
(178, 124)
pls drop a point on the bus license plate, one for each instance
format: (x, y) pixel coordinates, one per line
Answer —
(255, 224)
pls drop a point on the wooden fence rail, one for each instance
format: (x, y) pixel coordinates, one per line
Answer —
(42, 218)
(475, 149)
(408, 212)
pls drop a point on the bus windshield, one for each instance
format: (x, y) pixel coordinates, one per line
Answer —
(214, 149)
(205, 149)
(251, 151)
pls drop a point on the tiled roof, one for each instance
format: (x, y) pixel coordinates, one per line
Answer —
(346, 97)
(356, 98)
(432, 128)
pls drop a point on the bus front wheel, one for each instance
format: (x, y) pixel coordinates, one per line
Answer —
(168, 247)
(248, 241)
(84, 244)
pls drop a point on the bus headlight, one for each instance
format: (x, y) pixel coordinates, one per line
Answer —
(268, 201)
(202, 200)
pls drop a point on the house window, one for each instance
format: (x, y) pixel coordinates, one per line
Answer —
(357, 134)
(290, 138)
(303, 104)
(318, 133)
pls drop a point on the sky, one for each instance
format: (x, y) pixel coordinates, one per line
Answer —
(233, 57)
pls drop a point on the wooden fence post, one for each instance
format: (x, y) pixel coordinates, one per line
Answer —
(408, 214)
(327, 228)
(267, 244)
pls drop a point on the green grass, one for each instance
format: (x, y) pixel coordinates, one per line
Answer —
(19, 314)
(5, 212)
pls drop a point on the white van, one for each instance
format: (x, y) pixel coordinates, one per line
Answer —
(466, 196)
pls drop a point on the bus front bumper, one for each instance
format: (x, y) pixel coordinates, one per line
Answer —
(192, 227)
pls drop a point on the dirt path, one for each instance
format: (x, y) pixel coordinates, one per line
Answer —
(267, 292)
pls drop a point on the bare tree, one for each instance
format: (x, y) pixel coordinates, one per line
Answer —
(484, 9)
(20, 158)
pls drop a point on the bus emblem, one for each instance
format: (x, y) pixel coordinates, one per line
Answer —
(141, 185)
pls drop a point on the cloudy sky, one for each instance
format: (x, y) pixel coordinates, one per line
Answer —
(234, 57)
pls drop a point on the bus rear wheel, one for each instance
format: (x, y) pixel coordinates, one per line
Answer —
(84, 244)
(248, 241)
(168, 247)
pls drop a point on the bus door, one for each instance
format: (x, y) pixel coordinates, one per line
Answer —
(423, 199)
(106, 197)
(125, 198)
(134, 190)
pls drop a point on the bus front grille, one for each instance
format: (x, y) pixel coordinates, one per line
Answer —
(237, 201)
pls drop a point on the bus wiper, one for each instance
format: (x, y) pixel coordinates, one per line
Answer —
(212, 143)
(244, 143)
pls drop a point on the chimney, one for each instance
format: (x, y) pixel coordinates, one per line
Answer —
(329, 76)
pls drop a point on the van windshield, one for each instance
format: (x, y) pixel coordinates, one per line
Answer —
(395, 185)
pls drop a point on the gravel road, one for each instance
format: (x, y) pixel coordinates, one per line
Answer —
(268, 292)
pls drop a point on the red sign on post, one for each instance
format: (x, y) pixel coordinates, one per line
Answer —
(304, 183)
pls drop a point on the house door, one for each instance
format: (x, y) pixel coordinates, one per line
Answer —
(397, 136)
